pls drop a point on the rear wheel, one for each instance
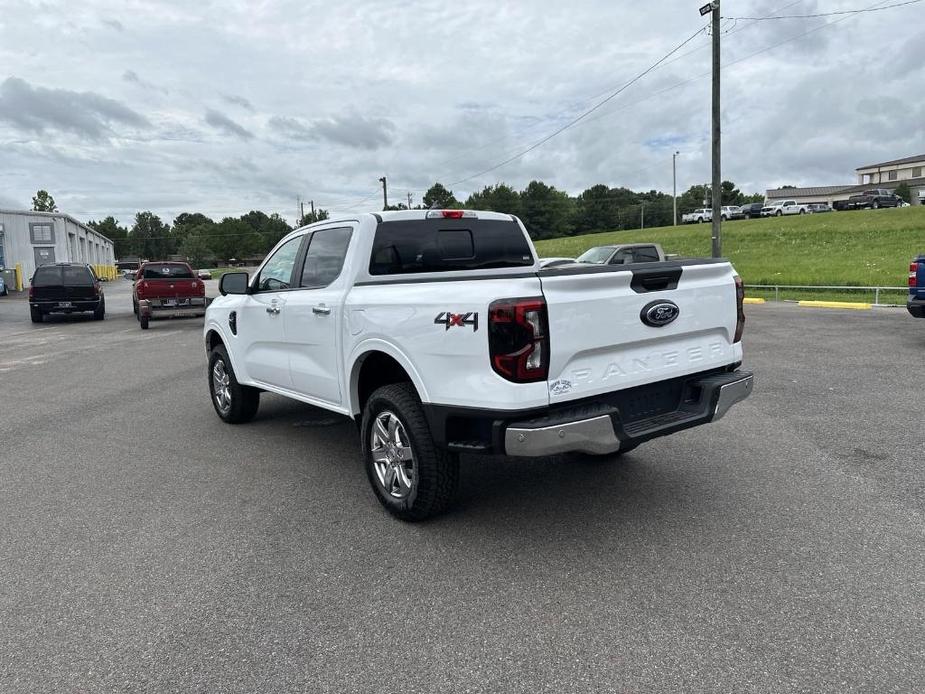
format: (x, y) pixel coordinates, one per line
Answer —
(134, 307)
(802, 211)
(780, 213)
(234, 403)
(36, 315)
(409, 474)
(100, 312)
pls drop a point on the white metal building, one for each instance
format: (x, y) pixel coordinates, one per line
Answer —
(40, 238)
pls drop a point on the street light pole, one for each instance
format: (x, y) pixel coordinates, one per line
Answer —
(674, 187)
(717, 139)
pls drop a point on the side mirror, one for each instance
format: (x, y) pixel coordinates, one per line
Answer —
(233, 283)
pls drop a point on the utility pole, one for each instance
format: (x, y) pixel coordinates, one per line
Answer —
(302, 210)
(717, 139)
(313, 209)
(642, 215)
(385, 193)
(409, 199)
(674, 187)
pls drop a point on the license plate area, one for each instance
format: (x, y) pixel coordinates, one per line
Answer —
(65, 304)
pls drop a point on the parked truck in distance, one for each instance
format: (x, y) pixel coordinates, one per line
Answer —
(624, 254)
(873, 200)
(782, 208)
(439, 334)
(167, 290)
(704, 214)
(916, 303)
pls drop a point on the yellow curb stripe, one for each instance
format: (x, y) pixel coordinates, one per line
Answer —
(749, 300)
(836, 304)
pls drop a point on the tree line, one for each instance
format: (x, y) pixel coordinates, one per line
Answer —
(550, 213)
(546, 212)
(197, 237)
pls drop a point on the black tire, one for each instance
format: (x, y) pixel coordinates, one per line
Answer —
(780, 213)
(144, 320)
(802, 211)
(134, 307)
(100, 312)
(244, 400)
(36, 315)
(435, 472)
(875, 205)
(699, 220)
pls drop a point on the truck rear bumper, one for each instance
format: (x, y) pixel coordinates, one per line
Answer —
(916, 307)
(600, 425)
(607, 433)
(156, 308)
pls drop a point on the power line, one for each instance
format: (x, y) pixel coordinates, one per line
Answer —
(583, 115)
(827, 14)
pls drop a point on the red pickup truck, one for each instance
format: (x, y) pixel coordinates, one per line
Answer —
(167, 290)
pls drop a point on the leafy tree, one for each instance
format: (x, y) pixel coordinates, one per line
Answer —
(271, 228)
(439, 196)
(693, 198)
(903, 191)
(150, 237)
(498, 198)
(547, 212)
(233, 238)
(182, 224)
(110, 228)
(43, 202)
(195, 245)
(318, 215)
(731, 195)
(596, 210)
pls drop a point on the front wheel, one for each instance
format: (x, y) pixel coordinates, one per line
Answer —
(100, 312)
(35, 314)
(876, 205)
(144, 321)
(409, 474)
(780, 213)
(802, 211)
(234, 403)
(700, 220)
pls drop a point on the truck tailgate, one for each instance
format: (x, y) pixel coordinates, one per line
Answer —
(604, 324)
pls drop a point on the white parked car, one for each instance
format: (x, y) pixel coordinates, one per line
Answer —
(438, 334)
(785, 207)
(698, 216)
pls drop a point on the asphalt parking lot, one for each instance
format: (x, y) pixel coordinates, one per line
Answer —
(146, 546)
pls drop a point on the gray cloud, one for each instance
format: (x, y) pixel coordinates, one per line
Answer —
(219, 121)
(36, 109)
(349, 130)
(132, 77)
(114, 24)
(236, 100)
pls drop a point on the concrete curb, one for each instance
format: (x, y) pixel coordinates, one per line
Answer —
(748, 300)
(836, 304)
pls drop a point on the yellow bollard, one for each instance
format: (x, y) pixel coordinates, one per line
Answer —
(19, 280)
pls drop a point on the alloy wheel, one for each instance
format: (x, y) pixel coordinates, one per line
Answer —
(393, 458)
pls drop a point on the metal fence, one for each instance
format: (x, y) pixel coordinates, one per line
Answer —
(802, 288)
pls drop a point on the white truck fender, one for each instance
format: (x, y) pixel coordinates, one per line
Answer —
(359, 354)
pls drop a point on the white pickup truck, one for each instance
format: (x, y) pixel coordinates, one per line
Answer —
(698, 216)
(439, 334)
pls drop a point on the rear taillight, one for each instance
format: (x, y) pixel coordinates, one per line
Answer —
(451, 214)
(740, 309)
(518, 339)
(913, 273)
(31, 293)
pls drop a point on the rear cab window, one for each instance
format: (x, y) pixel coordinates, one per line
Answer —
(62, 276)
(167, 271)
(444, 245)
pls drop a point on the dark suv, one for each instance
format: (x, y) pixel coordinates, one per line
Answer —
(65, 288)
(752, 210)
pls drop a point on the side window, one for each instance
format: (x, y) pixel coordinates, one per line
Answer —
(622, 258)
(277, 272)
(646, 254)
(325, 257)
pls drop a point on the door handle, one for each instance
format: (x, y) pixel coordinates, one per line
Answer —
(321, 310)
(273, 310)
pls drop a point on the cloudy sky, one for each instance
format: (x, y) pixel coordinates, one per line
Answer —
(222, 107)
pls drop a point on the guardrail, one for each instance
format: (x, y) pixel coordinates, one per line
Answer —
(797, 288)
(106, 272)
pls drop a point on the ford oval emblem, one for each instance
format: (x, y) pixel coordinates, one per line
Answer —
(658, 314)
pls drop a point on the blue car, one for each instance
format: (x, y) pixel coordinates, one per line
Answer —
(3, 290)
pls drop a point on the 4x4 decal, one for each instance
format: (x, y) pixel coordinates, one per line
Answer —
(461, 320)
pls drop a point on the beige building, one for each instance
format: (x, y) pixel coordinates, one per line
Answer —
(887, 175)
